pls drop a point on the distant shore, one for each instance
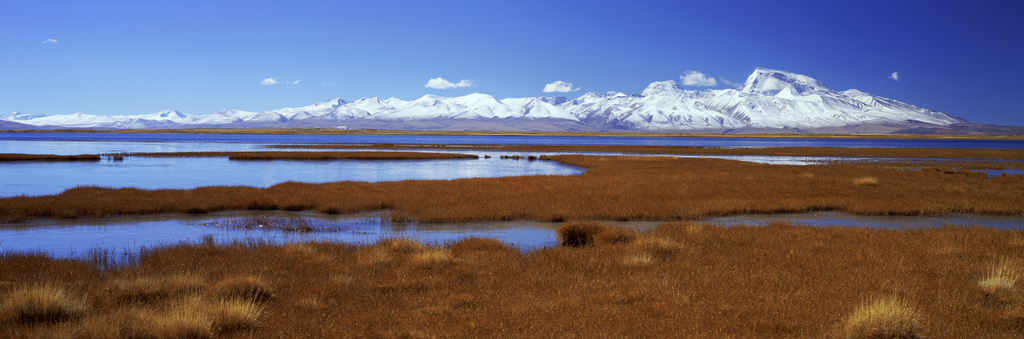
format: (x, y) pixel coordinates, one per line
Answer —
(335, 131)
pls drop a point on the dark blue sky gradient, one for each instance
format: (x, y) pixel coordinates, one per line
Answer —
(198, 57)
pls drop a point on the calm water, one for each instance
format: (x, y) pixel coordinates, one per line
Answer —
(69, 238)
(42, 178)
(129, 234)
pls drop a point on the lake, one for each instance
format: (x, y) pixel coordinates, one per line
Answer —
(75, 237)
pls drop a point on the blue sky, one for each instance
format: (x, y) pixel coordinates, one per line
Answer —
(139, 57)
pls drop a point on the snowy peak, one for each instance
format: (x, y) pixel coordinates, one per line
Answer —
(770, 99)
(766, 81)
(660, 87)
(18, 116)
(166, 115)
(333, 103)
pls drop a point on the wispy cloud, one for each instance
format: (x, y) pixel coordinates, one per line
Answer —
(695, 78)
(441, 83)
(730, 83)
(559, 86)
(296, 82)
(895, 76)
(268, 81)
(50, 41)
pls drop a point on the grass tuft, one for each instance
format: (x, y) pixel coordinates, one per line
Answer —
(638, 259)
(658, 247)
(432, 256)
(234, 314)
(578, 233)
(866, 181)
(245, 287)
(886, 318)
(999, 282)
(400, 246)
(615, 235)
(186, 318)
(1001, 277)
(144, 289)
(42, 304)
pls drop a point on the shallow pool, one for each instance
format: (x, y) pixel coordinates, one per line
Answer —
(129, 234)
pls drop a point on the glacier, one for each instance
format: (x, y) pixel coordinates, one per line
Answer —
(768, 100)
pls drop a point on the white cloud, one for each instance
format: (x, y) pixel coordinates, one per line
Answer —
(296, 82)
(695, 78)
(730, 83)
(895, 76)
(268, 81)
(559, 86)
(49, 41)
(441, 83)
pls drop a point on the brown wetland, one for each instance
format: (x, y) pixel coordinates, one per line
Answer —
(630, 246)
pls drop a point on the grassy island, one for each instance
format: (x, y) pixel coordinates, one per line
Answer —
(682, 279)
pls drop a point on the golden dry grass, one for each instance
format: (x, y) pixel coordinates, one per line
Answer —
(884, 318)
(681, 280)
(244, 287)
(1001, 277)
(678, 280)
(613, 188)
(41, 303)
(866, 181)
(140, 289)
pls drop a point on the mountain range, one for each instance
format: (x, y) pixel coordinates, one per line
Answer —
(769, 100)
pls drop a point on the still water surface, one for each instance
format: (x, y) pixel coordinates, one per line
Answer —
(42, 178)
(129, 234)
(65, 238)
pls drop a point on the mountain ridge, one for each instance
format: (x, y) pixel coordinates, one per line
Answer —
(769, 100)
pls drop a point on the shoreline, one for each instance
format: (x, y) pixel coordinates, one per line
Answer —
(334, 131)
(612, 188)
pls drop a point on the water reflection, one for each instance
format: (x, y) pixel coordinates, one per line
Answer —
(129, 234)
(41, 178)
(871, 221)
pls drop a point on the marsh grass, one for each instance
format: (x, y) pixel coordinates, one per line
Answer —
(884, 318)
(233, 314)
(1001, 276)
(613, 188)
(145, 289)
(680, 279)
(42, 303)
(1000, 284)
(866, 181)
(245, 288)
(4, 157)
(579, 233)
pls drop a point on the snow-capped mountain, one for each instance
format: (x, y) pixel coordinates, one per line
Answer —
(18, 116)
(769, 99)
